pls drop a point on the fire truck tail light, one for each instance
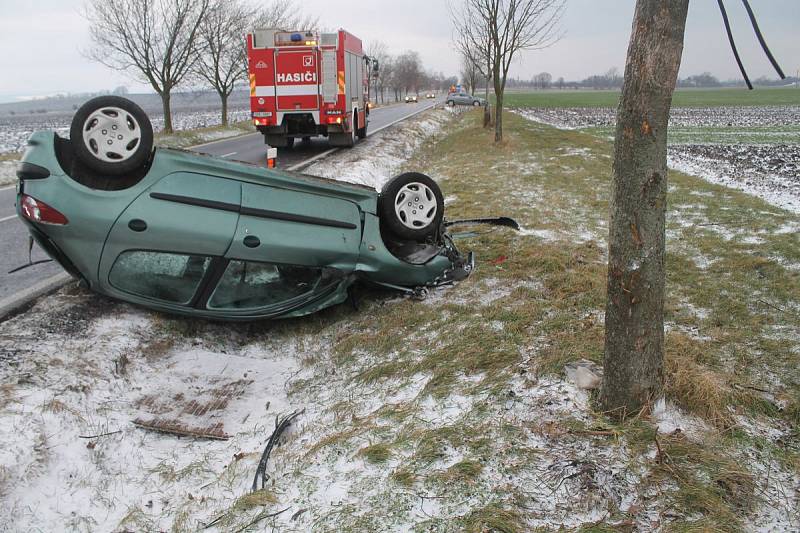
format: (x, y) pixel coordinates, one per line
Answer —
(38, 211)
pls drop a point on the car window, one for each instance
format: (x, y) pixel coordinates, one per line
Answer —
(164, 276)
(250, 285)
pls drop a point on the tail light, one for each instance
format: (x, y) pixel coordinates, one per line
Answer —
(38, 211)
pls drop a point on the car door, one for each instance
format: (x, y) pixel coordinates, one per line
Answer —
(290, 247)
(163, 247)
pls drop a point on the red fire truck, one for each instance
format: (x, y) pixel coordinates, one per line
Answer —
(305, 83)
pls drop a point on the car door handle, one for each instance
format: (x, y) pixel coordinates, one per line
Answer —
(251, 241)
(137, 225)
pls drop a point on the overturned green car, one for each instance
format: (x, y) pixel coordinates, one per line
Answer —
(186, 233)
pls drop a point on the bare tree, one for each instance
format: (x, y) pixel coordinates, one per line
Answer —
(634, 344)
(222, 61)
(378, 51)
(222, 58)
(542, 80)
(286, 14)
(386, 77)
(469, 72)
(512, 26)
(408, 71)
(154, 40)
(472, 39)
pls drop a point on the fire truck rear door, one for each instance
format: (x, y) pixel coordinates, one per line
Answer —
(297, 80)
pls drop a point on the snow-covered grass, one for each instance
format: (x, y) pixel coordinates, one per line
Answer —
(8, 170)
(384, 155)
(200, 135)
(453, 414)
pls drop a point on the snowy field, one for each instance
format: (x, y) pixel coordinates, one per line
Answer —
(15, 129)
(755, 149)
(694, 117)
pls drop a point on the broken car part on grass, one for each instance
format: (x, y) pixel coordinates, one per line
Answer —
(201, 236)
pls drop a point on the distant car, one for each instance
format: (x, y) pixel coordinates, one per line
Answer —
(430, 95)
(411, 98)
(464, 99)
(192, 234)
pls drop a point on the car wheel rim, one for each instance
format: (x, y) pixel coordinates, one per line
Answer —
(112, 134)
(415, 205)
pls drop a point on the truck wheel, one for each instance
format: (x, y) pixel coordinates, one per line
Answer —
(279, 141)
(111, 135)
(411, 206)
(362, 132)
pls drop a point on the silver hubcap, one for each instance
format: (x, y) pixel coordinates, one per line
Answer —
(415, 205)
(112, 134)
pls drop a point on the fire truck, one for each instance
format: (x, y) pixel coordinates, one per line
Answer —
(305, 83)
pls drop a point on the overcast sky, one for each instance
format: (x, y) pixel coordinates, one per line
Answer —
(41, 40)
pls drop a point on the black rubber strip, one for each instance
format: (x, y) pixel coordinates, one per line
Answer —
(251, 211)
(189, 200)
(278, 215)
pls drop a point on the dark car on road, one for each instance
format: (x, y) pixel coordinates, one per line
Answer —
(192, 234)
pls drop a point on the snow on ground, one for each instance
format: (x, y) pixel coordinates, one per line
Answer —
(8, 173)
(78, 365)
(66, 381)
(769, 171)
(374, 162)
(703, 117)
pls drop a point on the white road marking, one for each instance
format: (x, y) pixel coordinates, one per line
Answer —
(8, 218)
(228, 155)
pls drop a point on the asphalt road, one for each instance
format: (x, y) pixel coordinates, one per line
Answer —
(251, 148)
(248, 148)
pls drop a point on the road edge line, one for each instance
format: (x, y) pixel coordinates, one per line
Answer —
(13, 303)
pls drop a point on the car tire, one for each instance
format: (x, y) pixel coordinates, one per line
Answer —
(418, 221)
(111, 135)
(476, 103)
(451, 103)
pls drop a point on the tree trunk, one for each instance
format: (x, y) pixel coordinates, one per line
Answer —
(498, 112)
(167, 111)
(224, 98)
(634, 342)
